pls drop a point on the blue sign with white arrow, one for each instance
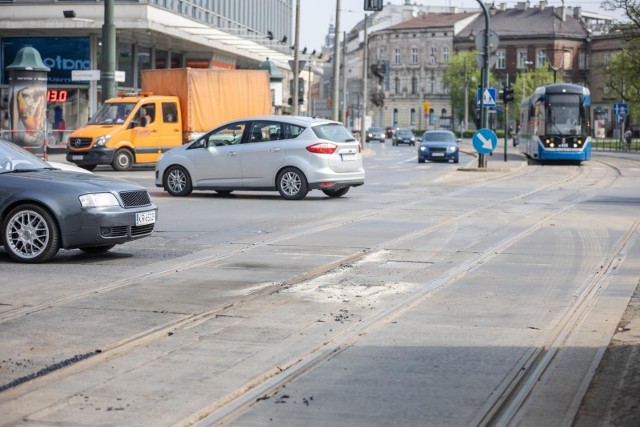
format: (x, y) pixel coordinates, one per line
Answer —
(484, 141)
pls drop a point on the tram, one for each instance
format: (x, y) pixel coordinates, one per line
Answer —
(555, 123)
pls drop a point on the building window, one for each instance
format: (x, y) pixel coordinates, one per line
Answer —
(522, 59)
(583, 60)
(397, 84)
(501, 59)
(414, 85)
(395, 118)
(445, 55)
(412, 117)
(432, 83)
(414, 55)
(434, 53)
(541, 58)
(606, 59)
(396, 56)
(381, 53)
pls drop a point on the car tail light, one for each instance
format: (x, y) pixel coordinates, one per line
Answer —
(323, 148)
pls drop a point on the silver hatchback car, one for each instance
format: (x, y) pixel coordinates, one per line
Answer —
(292, 155)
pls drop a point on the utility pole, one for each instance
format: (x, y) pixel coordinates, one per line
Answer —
(296, 62)
(344, 78)
(336, 65)
(363, 118)
(108, 74)
(482, 158)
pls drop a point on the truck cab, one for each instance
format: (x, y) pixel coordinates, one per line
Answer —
(127, 130)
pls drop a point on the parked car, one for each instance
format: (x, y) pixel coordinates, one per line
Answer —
(292, 155)
(404, 136)
(439, 145)
(375, 134)
(43, 208)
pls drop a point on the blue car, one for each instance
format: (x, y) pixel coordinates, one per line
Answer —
(438, 145)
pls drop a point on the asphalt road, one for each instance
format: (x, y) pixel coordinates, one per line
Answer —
(435, 294)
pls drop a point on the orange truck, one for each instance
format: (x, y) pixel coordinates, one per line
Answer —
(175, 105)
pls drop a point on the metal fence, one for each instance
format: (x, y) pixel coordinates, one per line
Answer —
(611, 144)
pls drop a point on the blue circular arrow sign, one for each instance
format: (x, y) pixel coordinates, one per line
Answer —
(485, 141)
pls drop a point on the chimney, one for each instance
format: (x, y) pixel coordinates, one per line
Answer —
(563, 13)
(522, 5)
(503, 6)
(577, 12)
(543, 4)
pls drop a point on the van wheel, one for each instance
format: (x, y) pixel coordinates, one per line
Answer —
(177, 181)
(292, 184)
(123, 160)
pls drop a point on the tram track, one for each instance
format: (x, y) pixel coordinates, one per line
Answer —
(224, 411)
(236, 402)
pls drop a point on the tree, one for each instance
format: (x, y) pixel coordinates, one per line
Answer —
(622, 70)
(454, 79)
(531, 79)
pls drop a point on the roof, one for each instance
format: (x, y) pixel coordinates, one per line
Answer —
(531, 22)
(432, 20)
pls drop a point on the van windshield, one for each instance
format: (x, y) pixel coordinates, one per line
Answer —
(111, 113)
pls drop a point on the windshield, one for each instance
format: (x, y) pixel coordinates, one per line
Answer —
(333, 132)
(564, 115)
(112, 112)
(14, 158)
(405, 132)
(438, 137)
(375, 130)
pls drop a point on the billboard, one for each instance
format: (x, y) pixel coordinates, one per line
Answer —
(61, 54)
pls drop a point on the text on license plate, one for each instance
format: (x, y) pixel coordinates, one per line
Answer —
(144, 218)
(437, 154)
(350, 157)
(76, 157)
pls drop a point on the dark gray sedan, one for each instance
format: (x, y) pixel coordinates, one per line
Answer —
(43, 209)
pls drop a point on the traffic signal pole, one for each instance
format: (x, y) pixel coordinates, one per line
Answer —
(482, 158)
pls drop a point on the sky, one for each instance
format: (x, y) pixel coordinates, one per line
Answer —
(316, 15)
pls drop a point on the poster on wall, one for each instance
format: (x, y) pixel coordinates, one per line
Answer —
(61, 54)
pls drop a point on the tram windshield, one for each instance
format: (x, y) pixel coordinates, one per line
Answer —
(564, 115)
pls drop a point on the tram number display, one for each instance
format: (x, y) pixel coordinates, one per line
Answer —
(57, 95)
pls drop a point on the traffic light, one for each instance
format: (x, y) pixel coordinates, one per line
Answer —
(372, 5)
(507, 94)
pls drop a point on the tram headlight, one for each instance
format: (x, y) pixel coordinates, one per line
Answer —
(579, 141)
(552, 145)
(547, 141)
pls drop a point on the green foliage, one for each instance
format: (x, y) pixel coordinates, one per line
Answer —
(531, 80)
(454, 78)
(622, 71)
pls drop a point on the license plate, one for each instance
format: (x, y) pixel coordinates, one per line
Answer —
(437, 154)
(144, 218)
(348, 157)
(77, 157)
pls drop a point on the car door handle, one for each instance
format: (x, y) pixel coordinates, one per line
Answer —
(274, 150)
(232, 153)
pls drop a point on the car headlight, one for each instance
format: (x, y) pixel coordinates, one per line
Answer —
(102, 140)
(423, 148)
(453, 148)
(96, 200)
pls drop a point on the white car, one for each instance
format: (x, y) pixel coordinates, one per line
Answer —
(292, 155)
